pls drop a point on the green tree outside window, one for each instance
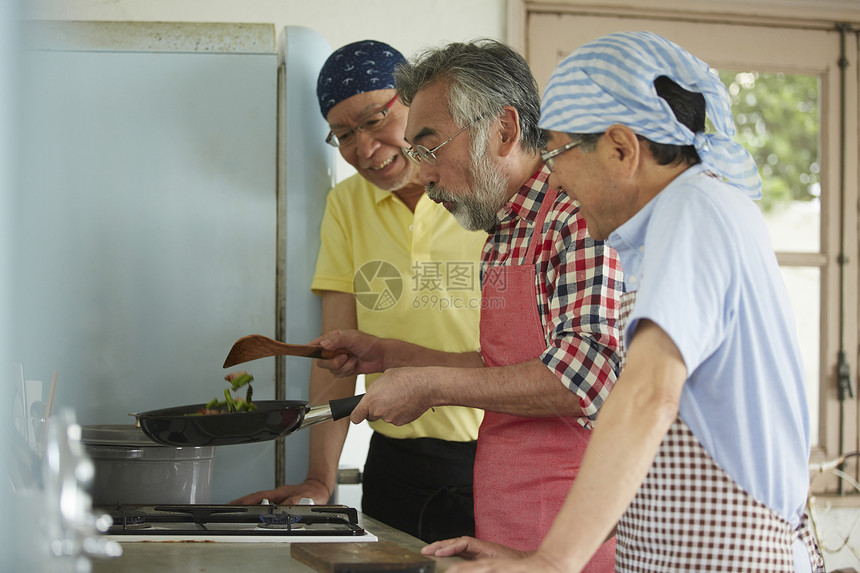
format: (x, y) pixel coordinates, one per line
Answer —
(777, 120)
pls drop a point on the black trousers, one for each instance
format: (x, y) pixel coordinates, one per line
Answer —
(422, 486)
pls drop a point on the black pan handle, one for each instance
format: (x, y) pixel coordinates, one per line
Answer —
(343, 407)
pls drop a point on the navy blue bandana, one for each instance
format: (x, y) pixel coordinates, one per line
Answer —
(354, 69)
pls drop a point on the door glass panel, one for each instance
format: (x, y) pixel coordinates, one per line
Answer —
(777, 118)
(804, 290)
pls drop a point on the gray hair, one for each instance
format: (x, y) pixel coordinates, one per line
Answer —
(482, 77)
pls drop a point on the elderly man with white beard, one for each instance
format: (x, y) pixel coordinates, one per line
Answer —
(550, 348)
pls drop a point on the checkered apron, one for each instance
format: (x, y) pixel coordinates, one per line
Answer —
(689, 515)
(628, 300)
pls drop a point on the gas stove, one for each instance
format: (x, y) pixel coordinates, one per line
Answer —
(235, 523)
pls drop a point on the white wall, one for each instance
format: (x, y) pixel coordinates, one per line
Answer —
(407, 25)
(8, 129)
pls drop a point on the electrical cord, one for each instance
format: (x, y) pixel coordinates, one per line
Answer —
(824, 467)
(832, 466)
(443, 489)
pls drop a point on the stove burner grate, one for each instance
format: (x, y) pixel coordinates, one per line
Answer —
(135, 520)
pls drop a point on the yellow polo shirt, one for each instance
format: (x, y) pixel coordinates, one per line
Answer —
(415, 277)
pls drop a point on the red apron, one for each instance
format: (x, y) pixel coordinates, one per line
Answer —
(524, 467)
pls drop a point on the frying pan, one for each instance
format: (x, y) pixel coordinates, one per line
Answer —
(179, 426)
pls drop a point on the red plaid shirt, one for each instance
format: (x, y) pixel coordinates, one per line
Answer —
(579, 287)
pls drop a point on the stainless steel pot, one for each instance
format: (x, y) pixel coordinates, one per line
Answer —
(131, 468)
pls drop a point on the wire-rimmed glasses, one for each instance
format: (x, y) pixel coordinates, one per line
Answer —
(420, 153)
(548, 156)
(369, 124)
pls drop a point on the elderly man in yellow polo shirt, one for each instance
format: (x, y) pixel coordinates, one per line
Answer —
(395, 264)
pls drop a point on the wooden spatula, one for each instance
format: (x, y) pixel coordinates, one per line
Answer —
(256, 346)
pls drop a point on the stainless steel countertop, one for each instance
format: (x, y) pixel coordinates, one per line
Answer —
(231, 557)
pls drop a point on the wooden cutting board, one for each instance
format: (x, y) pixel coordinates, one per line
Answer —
(353, 557)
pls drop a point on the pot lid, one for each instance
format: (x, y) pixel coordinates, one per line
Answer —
(115, 434)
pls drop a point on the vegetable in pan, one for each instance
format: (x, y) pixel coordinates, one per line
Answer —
(230, 403)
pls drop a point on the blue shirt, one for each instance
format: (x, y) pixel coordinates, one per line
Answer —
(701, 262)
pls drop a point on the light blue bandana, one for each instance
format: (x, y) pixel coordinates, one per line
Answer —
(611, 81)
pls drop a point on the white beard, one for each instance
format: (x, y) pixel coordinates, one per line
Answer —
(488, 193)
